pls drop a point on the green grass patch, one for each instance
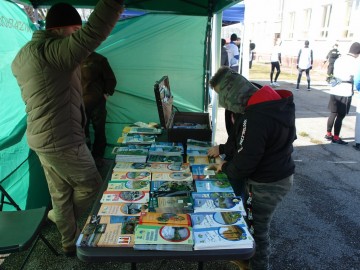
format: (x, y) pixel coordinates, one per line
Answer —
(303, 134)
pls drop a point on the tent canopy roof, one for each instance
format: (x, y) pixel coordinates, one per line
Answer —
(184, 7)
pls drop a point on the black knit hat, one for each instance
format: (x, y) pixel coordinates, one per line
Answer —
(62, 14)
(355, 48)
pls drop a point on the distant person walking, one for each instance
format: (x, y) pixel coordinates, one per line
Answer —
(251, 54)
(233, 53)
(275, 60)
(332, 55)
(224, 54)
(341, 92)
(304, 63)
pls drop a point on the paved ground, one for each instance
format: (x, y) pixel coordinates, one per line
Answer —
(317, 226)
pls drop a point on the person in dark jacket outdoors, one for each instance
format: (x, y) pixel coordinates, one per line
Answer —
(98, 82)
(332, 55)
(264, 131)
(47, 70)
(224, 60)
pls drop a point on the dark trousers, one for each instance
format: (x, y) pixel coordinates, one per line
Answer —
(307, 72)
(275, 65)
(97, 117)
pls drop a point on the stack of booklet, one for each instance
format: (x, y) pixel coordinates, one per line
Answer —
(164, 231)
(155, 201)
(131, 153)
(220, 230)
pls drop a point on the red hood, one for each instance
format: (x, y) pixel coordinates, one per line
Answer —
(264, 94)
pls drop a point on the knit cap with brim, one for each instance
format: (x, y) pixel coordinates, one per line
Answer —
(62, 14)
(235, 91)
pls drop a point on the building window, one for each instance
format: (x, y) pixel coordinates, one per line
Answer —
(291, 25)
(306, 23)
(325, 21)
(350, 16)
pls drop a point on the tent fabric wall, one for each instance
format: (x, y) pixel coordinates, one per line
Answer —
(19, 167)
(143, 49)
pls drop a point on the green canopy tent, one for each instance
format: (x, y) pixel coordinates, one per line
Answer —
(173, 41)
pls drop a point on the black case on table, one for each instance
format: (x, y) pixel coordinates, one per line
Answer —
(168, 116)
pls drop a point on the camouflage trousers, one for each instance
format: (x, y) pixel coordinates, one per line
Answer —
(264, 198)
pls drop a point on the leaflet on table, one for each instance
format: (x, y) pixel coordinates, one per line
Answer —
(137, 139)
(164, 159)
(119, 219)
(126, 154)
(196, 152)
(171, 186)
(203, 169)
(224, 237)
(196, 144)
(127, 149)
(177, 202)
(125, 197)
(91, 232)
(131, 167)
(217, 202)
(217, 219)
(220, 185)
(214, 177)
(128, 185)
(117, 235)
(141, 130)
(169, 149)
(202, 160)
(170, 167)
(159, 234)
(138, 175)
(173, 176)
(151, 218)
(122, 209)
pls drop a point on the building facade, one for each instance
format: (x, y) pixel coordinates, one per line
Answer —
(322, 22)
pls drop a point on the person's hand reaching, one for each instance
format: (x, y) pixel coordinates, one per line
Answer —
(214, 151)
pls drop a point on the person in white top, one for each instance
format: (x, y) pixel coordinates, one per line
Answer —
(275, 60)
(233, 53)
(304, 63)
(341, 92)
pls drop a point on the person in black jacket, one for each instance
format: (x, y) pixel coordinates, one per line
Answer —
(263, 134)
(332, 55)
(98, 82)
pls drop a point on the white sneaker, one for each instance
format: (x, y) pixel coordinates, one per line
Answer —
(271, 84)
(297, 89)
(276, 84)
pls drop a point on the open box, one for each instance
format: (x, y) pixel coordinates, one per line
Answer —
(180, 126)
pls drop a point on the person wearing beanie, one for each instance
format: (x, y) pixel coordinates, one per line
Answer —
(341, 92)
(304, 63)
(47, 70)
(261, 164)
(233, 53)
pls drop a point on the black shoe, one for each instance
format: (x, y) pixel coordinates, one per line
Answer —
(328, 137)
(339, 141)
(357, 146)
(69, 251)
